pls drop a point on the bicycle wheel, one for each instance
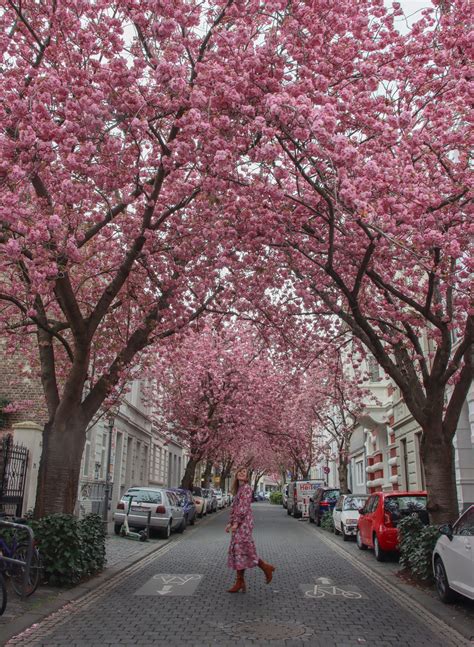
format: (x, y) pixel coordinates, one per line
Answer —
(3, 595)
(17, 571)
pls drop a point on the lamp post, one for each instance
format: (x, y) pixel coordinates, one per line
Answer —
(108, 477)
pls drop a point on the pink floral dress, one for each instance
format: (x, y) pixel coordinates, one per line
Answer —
(242, 552)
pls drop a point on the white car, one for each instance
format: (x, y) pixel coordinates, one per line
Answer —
(346, 514)
(453, 558)
(220, 499)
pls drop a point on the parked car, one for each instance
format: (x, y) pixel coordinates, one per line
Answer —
(284, 496)
(322, 501)
(188, 505)
(298, 493)
(377, 527)
(200, 502)
(166, 511)
(219, 499)
(453, 558)
(211, 500)
(346, 514)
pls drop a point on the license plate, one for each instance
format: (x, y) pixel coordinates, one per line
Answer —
(136, 508)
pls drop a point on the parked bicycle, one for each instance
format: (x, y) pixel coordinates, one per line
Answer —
(14, 558)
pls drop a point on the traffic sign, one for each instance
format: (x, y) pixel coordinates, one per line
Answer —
(326, 470)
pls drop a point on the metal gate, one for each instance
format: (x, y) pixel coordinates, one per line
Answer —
(13, 466)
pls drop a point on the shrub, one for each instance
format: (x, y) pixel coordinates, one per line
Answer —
(276, 497)
(70, 549)
(327, 522)
(93, 543)
(417, 543)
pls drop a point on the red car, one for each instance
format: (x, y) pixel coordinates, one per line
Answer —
(377, 527)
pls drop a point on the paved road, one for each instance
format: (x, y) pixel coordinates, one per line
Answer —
(178, 597)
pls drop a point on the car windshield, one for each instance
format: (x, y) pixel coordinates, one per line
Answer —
(330, 495)
(354, 503)
(405, 504)
(144, 496)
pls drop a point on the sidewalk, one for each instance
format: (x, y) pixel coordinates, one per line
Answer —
(120, 553)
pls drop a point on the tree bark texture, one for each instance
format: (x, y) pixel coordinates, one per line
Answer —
(189, 473)
(342, 473)
(437, 456)
(60, 464)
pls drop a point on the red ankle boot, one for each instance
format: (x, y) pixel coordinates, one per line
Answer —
(267, 569)
(239, 583)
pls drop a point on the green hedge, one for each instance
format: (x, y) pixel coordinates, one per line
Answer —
(71, 549)
(417, 543)
(327, 522)
(276, 497)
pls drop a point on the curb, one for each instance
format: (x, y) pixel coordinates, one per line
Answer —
(64, 598)
(451, 616)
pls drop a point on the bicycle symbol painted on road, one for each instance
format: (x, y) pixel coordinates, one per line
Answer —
(321, 591)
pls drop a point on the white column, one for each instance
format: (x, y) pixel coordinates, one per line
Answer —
(30, 435)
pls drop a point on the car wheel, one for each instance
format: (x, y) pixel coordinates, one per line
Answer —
(318, 519)
(446, 594)
(193, 521)
(360, 544)
(311, 520)
(182, 526)
(166, 532)
(288, 512)
(336, 531)
(117, 527)
(379, 553)
(345, 537)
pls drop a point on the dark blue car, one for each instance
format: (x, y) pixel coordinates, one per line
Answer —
(187, 502)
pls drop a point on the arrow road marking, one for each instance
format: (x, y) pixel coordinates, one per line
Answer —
(165, 590)
(180, 580)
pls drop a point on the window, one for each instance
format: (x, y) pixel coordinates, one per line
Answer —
(371, 504)
(465, 525)
(354, 502)
(103, 460)
(373, 368)
(421, 470)
(144, 496)
(87, 458)
(359, 472)
(404, 462)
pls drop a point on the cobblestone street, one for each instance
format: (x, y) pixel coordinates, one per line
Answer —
(319, 596)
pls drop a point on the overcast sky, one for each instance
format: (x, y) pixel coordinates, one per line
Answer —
(411, 8)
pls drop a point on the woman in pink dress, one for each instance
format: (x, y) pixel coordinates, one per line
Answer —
(242, 552)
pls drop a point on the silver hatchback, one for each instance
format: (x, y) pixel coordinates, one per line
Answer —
(166, 511)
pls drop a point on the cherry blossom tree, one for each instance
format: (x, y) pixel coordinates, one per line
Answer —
(216, 391)
(112, 172)
(363, 172)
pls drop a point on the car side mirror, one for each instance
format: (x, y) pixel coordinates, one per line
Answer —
(311, 499)
(447, 530)
(361, 510)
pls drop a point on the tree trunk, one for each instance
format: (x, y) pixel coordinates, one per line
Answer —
(60, 464)
(437, 456)
(207, 474)
(187, 481)
(342, 473)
